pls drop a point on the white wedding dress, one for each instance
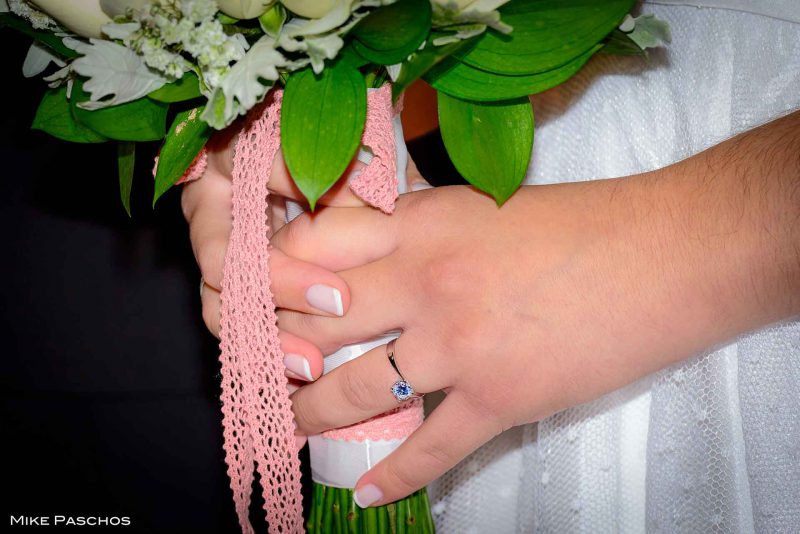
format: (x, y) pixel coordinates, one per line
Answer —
(712, 444)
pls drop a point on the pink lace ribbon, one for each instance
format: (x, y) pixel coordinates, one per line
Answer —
(257, 417)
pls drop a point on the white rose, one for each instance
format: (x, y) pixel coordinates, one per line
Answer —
(459, 5)
(310, 9)
(244, 9)
(115, 8)
(84, 17)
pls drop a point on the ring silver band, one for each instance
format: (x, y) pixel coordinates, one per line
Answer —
(401, 389)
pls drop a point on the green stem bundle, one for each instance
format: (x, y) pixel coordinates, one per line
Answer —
(333, 511)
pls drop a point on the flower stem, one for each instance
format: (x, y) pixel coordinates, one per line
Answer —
(334, 511)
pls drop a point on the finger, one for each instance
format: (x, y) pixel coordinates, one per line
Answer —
(207, 206)
(302, 359)
(450, 433)
(210, 302)
(361, 389)
(339, 238)
(307, 288)
(376, 306)
(281, 183)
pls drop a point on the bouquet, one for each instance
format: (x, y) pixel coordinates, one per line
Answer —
(174, 71)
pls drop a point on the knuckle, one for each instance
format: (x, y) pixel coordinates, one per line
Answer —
(436, 456)
(210, 257)
(291, 236)
(306, 416)
(448, 276)
(399, 479)
(356, 390)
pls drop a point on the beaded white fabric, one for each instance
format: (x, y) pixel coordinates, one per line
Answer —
(712, 444)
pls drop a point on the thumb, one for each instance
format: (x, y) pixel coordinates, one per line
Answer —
(453, 431)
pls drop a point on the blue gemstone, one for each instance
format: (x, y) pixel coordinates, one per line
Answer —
(402, 390)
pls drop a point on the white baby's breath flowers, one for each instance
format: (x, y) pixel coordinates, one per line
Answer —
(38, 19)
(164, 32)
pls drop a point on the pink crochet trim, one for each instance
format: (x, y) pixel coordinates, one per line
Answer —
(257, 417)
(196, 167)
(396, 424)
(377, 183)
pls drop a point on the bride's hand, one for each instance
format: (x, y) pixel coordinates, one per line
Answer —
(296, 285)
(565, 293)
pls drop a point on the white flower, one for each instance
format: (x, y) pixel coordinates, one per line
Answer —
(117, 8)
(244, 9)
(198, 11)
(84, 17)
(244, 85)
(39, 20)
(310, 9)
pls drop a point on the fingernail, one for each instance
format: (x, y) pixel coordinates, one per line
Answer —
(325, 298)
(298, 365)
(420, 186)
(366, 495)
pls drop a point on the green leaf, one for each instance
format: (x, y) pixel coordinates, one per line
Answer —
(322, 120)
(424, 60)
(186, 88)
(140, 120)
(389, 34)
(126, 155)
(490, 144)
(54, 117)
(272, 20)
(547, 34)
(7, 20)
(187, 136)
(462, 81)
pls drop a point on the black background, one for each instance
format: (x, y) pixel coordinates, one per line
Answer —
(109, 385)
(109, 393)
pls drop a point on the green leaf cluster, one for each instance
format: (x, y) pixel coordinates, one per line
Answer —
(483, 83)
(137, 121)
(322, 120)
(485, 115)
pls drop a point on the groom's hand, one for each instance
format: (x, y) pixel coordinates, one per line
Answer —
(565, 293)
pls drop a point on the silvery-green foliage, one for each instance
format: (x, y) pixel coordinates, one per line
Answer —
(114, 71)
(646, 30)
(38, 59)
(243, 86)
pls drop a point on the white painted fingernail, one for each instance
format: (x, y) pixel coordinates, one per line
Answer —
(298, 365)
(366, 495)
(420, 186)
(325, 298)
